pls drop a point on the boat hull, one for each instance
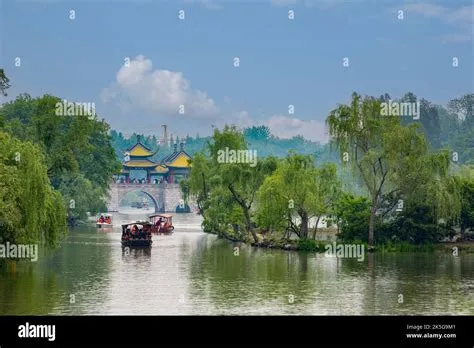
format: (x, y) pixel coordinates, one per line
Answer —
(139, 243)
(103, 225)
(169, 230)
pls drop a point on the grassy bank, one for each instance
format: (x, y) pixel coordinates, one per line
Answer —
(312, 245)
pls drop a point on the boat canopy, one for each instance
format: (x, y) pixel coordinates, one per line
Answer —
(143, 223)
(160, 215)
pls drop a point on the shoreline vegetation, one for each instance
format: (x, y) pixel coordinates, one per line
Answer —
(390, 181)
(398, 185)
(319, 246)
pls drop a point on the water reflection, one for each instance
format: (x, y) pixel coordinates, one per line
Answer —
(191, 272)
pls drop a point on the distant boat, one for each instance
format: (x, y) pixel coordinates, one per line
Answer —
(161, 223)
(105, 220)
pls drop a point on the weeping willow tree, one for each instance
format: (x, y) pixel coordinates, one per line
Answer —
(30, 210)
(392, 162)
(197, 183)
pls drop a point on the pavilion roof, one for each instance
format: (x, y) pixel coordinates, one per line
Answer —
(144, 163)
(140, 150)
(178, 159)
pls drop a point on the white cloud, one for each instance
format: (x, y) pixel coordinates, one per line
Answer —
(157, 90)
(462, 17)
(209, 4)
(287, 127)
(455, 38)
(428, 10)
(283, 2)
(140, 89)
(244, 120)
(312, 3)
(281, 126)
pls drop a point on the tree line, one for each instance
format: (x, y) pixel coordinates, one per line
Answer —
(391, 184)
(53, 168)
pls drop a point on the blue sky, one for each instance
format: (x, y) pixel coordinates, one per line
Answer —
(189, 62)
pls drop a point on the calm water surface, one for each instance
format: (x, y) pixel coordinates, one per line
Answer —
(193, 273)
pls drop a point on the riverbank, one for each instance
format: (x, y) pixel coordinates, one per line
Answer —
(313, 245)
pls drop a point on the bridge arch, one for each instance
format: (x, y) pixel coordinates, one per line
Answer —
(157, 203)
(165, 197)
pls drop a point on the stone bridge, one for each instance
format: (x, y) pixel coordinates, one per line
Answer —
(166, 197)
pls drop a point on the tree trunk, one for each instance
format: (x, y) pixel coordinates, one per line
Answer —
(249, 223)
(304, 225)
(246, 210)
(463, 231)
(316, 227)
(373, 209)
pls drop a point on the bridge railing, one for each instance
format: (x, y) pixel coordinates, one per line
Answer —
(164, 183)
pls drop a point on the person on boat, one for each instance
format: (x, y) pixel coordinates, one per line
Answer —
(133, 233)
(166, 225)
(101, 219)
(107, 219)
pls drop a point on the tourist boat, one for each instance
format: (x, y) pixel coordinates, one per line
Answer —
(161, 223)
(137, 234)
(104, 220)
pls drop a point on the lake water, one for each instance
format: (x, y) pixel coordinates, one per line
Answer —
(193, 273)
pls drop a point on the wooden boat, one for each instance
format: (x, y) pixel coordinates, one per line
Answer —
(137, 234)
(161, 223)
(104, 220)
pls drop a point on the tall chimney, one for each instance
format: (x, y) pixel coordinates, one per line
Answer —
(165, 134)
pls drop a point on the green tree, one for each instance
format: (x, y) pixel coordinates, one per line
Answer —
(241, 179)
(351, 214)
(30, 210)
(4, 83)
(291, 191)
(74, 146)
(467, 199)
(328, 189)
(463, 108)
(389, 158)
(257, 133)
(198, 182)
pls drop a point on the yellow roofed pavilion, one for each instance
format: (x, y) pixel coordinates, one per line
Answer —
(171, 168)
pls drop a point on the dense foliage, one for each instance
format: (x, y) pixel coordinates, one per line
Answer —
(30, 210)
(53, 168)
(394, 182)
